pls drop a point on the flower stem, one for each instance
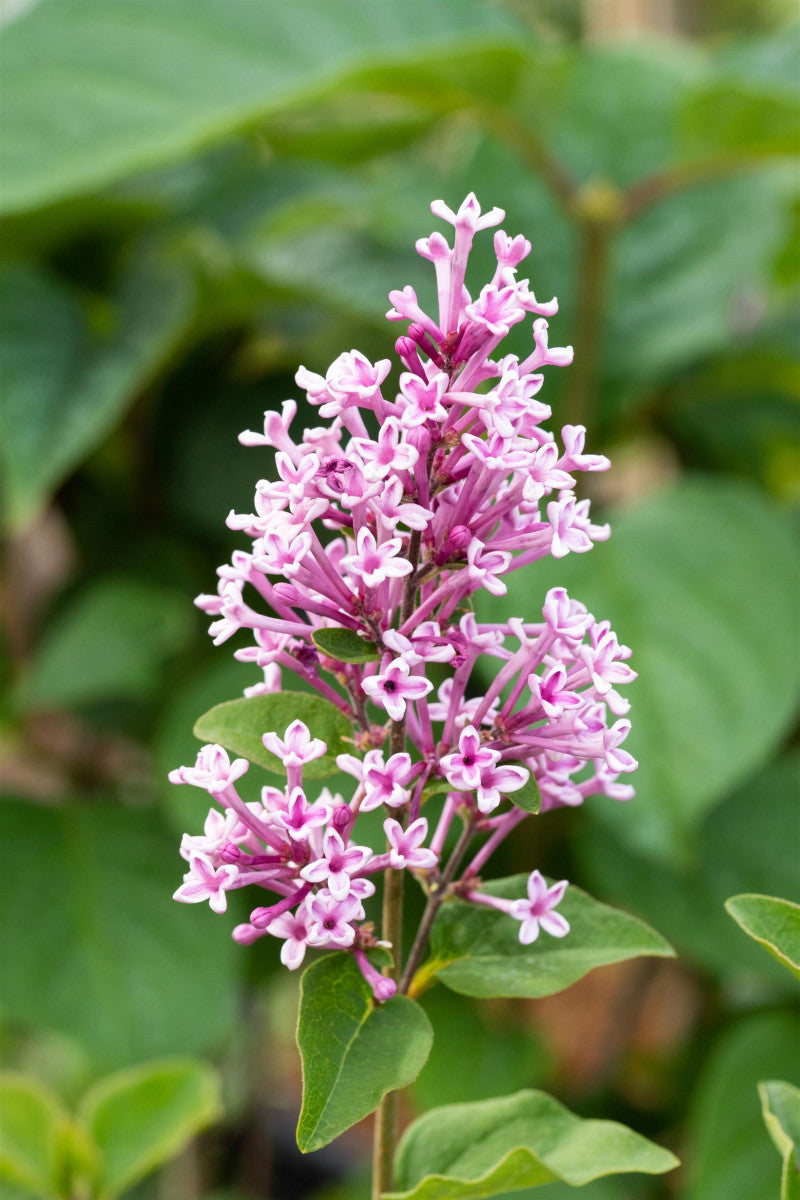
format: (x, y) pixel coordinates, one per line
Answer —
(435, 898)
(384, 1135)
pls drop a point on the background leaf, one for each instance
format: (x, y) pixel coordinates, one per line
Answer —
(109, 643)
(773, 922)
(475, 950)
(33, 1127)
(729, 1154)
(471, 1151)
(141, 1117)
(780, 1105)
(115, 962)
(63, 384)
(353, 1050)
(166, 81)
(749, 842)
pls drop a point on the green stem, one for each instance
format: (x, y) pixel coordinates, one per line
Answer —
(595, 241)
(436, 895)
(385, 1131)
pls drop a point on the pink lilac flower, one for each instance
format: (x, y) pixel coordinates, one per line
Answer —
(394, 686)
(294, 928)
(405, 845)
(204, 881)
(374, 563)
(385, 522)
(537, 910)
(383, 782)
(336, 864)
(464, 768)
(331, 920)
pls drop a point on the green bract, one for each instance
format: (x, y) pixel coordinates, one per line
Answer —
(345, 645)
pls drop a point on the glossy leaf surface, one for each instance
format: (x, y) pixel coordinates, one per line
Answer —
(353, 1050)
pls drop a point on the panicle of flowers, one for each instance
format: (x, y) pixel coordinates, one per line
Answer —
(384, 522)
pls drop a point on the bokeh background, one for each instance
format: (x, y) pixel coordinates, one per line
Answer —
(199, 195)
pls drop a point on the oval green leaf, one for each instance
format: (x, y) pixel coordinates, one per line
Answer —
(476, 1150)
(238, 725)
(353, 1050)
(475, 950)
(345, 645)
(773, 922)
(142, 1117)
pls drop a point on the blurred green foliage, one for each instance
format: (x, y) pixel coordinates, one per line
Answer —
(198, 196)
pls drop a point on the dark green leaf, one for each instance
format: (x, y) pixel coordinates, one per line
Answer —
(93, 96)
(33, 1128)
(772, 922)
(353, 1050)
(476, 1150)
(728, 1152)
(239, 725)
(345, 646)
(780, 1107)
(142, 1117)
(63, 385)
(475, 950)
(682, 581)
(109, 643)
(100, 949)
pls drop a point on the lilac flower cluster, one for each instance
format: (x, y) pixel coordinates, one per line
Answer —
(384, 522)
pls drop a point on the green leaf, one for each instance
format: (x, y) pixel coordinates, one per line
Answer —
(740, 119)
(728, 1152)
(705, 655)
(528, 798)
(143, 1116)
(353, 1050)
(345, 646)
(471, 1151)
(92, 97)
(780, 1107)
(238, 725)
(750, 842)
(475, 950)
(65, 384)
(100, 950)
(33, 1128)
(772, 922)
(109, 643)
